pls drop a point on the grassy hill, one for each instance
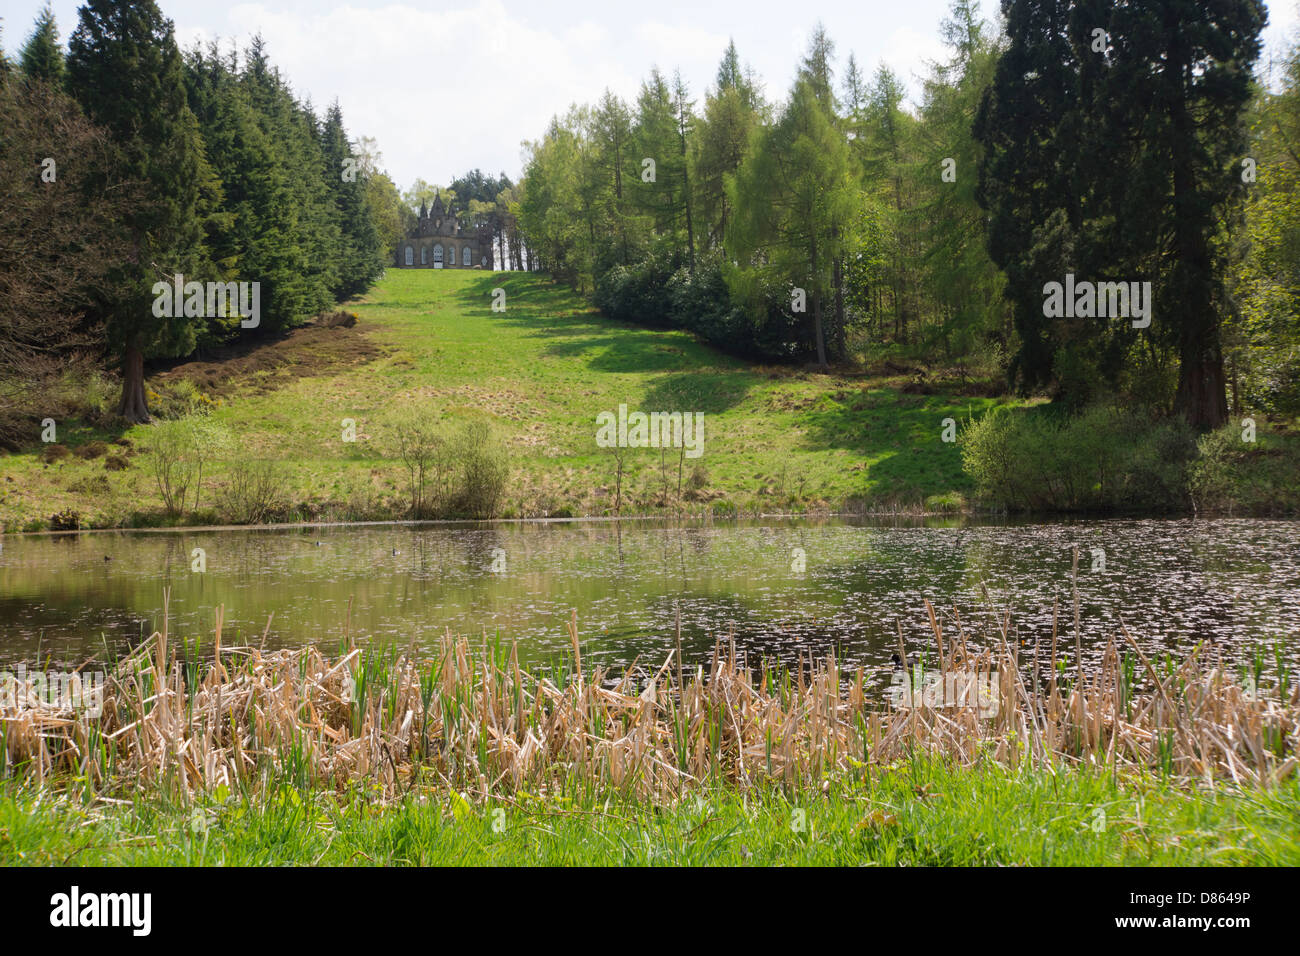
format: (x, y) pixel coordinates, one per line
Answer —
(776, 438)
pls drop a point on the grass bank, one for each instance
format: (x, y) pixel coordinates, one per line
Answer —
(921, 811)
(776, 438)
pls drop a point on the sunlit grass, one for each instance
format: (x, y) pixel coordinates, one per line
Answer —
(776, 439)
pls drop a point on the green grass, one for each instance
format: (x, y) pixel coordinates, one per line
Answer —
(776, 438)
(922, 813)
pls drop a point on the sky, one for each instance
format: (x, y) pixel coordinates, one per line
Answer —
(445, 87)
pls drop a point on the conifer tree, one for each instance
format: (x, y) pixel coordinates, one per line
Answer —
(42, 58)
(125, 70)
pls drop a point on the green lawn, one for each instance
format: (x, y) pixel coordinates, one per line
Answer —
(776, 438)
(916, 814)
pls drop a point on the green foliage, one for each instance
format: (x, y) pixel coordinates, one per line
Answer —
(794, 199)
(41, 58)
(179, 450)
(1102, 459)
(482, 468)
(1259, 477)
(125, 70)
(450, 472)
(838, 195)
(193, 166)
(1147, 205)
(1263, 334)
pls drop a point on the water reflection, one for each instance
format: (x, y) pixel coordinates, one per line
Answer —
(1172, 583)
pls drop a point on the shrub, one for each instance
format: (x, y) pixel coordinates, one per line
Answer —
(174, 467)
(178, 452)
(66, 520)
(253, 494)
(483, 470)
(458, 473)
(179, 398)
(415, 437)
(90, 450)
(1261, 477)
(1099, 459)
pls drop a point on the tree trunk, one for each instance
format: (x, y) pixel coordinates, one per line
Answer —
(1202, 398)
(841, 333)
(817, 329)
(133, 406)
(818, 334)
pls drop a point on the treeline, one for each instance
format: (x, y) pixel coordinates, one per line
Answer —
(1091, 139)
(802, 228)
(126, 162)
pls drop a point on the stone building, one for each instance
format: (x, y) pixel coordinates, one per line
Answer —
(437, 242)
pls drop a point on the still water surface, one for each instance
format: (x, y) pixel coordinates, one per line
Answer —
(1172, 582)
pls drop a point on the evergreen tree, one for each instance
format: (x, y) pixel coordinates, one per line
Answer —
(125, 69)
(363, 257)
(1027, 128)
(1173, 95)
(658, 135)
(42, 58)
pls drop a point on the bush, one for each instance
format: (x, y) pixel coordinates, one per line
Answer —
(253, 494)
(483, 471)
(1101, 459)
(179, 398)
(416, 439)
(1260, 477)
(462, 473)
(90, 450)
(66, 520)
(178, 452)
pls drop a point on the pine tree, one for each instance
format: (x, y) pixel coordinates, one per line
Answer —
(41, 58)
(1175, 88)
(125, 70)
(1027, 128)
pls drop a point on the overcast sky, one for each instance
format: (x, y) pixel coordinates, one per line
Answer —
(445, 87)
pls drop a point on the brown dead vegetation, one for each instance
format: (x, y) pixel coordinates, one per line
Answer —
(481, 723)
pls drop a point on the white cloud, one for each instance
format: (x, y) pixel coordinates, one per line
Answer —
(442, 92)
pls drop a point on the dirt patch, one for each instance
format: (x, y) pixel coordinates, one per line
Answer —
(501, 402)
(323, 347)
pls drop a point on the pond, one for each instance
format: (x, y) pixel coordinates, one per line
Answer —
(782, 588)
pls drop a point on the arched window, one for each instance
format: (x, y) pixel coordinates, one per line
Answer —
(483, 261)
(437, 256)
(465, 257)
(410, 256)
(424, 255)
(451, 256)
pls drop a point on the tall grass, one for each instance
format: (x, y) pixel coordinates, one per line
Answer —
(476, 722)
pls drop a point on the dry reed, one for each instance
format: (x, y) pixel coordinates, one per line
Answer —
(481, 724)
